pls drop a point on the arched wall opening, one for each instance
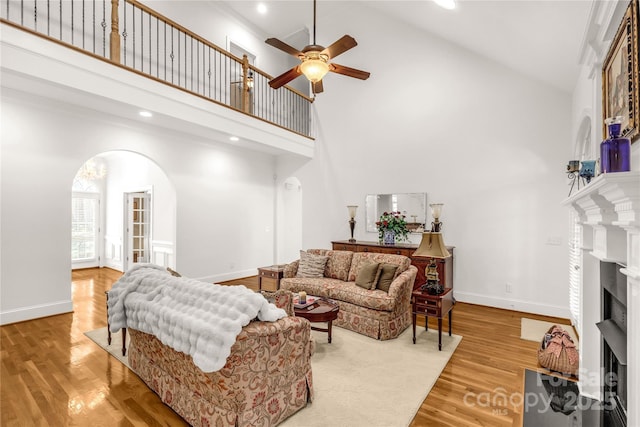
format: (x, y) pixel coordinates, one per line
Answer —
(136, 213)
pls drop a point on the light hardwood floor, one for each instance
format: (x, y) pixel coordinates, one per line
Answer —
(52, 374)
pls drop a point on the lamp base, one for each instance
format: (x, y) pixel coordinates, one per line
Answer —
(352, 240)
(432, 288)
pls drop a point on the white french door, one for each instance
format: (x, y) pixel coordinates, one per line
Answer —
(137, 228)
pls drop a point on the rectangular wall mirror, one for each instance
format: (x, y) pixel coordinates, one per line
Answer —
(412, 205)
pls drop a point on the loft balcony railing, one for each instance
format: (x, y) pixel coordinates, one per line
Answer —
(136, 37)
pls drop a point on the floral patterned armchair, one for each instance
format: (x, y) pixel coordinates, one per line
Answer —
(266, 378)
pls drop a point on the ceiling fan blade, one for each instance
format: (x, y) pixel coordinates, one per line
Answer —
(340, 46)
(284, 47)
(347, 71)
(285, 77)
(317, 87)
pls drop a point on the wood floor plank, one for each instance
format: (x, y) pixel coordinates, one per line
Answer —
(52, 374)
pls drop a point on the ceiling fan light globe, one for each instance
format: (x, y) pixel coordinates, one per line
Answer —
(314, 69)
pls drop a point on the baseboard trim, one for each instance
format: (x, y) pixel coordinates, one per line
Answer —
(513, 304)
(228, 276)
(35, 312)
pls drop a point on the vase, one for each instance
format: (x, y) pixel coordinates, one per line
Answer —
(389, 237)
(614, 151)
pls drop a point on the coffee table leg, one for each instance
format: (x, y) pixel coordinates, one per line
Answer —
(439, 333)
(450, 322)
(329, 330)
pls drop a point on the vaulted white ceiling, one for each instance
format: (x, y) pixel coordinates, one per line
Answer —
(539, 38)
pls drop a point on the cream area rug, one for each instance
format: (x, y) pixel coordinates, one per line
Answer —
(99, 336)
(359, 381)
(534, 330)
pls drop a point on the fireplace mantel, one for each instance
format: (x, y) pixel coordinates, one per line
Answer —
(608, 209)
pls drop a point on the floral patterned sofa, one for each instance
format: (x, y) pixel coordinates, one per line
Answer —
(376, 313)
(266, 378)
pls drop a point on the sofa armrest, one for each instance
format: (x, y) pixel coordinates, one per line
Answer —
(291, 269)
(281, 298)
(402, 286)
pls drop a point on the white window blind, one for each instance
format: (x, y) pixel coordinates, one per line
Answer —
(575, 266)
(84, 228)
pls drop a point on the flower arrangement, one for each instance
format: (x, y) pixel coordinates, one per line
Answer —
(393, 221)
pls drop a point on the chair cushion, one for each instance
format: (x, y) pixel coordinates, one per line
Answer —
(354, 294)
(312, 286)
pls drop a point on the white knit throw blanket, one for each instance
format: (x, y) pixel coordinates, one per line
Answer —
(197, 318)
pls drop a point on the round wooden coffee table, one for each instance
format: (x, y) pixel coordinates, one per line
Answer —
(320, 311)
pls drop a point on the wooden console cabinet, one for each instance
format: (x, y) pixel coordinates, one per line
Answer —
(445, 266)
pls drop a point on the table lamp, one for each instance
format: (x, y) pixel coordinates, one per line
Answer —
(433, 246)
(352, 222)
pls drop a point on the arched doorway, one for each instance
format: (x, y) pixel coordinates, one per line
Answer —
(128, 202)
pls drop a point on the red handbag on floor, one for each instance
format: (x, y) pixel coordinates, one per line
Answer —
(558, 352)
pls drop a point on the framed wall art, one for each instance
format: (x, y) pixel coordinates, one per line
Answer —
(621, 76)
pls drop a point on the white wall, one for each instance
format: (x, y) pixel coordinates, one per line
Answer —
(484, 140)
(224, 196)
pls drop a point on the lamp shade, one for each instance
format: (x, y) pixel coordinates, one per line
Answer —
(352, 210)
(314, 69)
(432, 246)
(436, 210)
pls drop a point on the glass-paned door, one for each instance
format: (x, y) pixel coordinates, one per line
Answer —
(138, 228)
(85, 227)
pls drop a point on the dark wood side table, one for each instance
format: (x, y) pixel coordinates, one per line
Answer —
(432, 305)
(269, 277)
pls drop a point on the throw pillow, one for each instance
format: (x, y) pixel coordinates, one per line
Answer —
(311, 265)
(387, 274)
(368, 275)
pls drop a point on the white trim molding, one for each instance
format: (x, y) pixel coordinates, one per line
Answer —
(513, 304)
(35, 312)
(162, 253)
(609, 208)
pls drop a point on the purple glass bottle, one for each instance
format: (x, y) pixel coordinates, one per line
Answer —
(615, 151)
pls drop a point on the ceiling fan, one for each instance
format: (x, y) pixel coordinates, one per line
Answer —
(315, 60)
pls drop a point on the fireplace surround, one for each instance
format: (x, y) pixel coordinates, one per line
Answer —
(608, 216)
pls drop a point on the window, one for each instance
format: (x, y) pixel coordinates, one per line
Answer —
(84, 227)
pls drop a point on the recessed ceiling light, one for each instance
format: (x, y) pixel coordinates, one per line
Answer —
(234, 139)
(447, 4)
(146, 114)
(262, 8)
